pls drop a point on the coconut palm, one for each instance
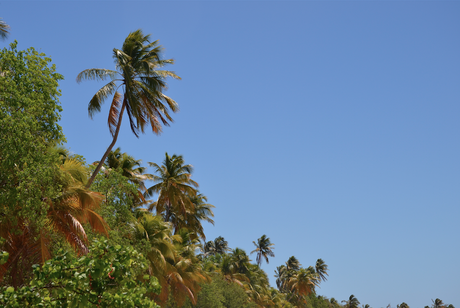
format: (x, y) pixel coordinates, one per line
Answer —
(174, 187)
(258, 285)
(137, 73)
(284, 273)
(263, 249)
(241, 260)
(158, 233)
(221, 245)
(4, 29)
(437, 303)
(201, 211)
(184, 273)
(321, 269)
(303, 282)
(352, 302)
(230, 270)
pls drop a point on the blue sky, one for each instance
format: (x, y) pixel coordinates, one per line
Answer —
(332, 127)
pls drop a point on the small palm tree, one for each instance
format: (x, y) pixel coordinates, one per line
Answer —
(4, 29)
(221, 245)
(437, 303)
(137, 73)
(352, 302)
(321, 270)
(263, 249)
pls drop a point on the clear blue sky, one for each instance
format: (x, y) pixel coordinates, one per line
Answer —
(331, 127)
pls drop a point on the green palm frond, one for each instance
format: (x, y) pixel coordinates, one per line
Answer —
(101, 95)
(96, 74)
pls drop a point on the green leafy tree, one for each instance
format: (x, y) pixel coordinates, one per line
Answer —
(264, 249)
(67, 213)
(219, 293)
(29, 115)
(109, 276)
(138, 72)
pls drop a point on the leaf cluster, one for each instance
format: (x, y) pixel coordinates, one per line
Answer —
(109, 276)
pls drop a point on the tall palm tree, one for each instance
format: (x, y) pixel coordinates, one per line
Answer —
(352, 302)
(263, 249)
(137, 73)
(174, 187)
(4, 29)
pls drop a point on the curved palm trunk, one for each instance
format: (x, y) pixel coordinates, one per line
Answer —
(115, 137)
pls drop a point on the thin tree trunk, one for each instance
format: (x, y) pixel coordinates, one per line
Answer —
(115, 137)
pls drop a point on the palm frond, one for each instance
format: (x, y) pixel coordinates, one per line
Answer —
(96, 74)
(98, 99)
(114, 113)
(97, 223)
(164, 74)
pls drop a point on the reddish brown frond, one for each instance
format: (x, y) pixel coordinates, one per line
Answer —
(97, 222)
(114, 113)
(90, 200)
(44, 242)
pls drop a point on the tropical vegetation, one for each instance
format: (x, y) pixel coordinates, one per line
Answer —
(110, 234)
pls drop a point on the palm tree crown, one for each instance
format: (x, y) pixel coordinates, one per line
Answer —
(174, 187)
(4, 29)
(352, 302)
(321, 269)
(143, 84)
(263, 249)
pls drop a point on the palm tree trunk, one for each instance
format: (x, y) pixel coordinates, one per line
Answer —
(115, 137)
